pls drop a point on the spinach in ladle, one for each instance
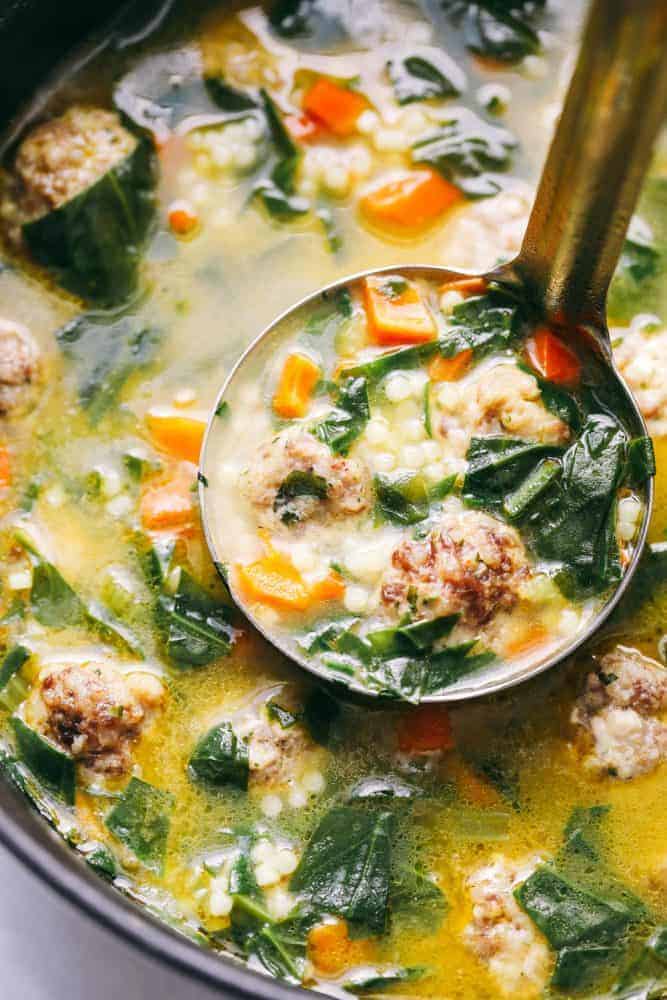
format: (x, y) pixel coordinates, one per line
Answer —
(344, 424)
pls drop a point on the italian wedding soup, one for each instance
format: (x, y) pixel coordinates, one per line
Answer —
(407, 502)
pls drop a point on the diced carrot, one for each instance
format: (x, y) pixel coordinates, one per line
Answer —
(168, 504)
(425, 729)
(470, 785)
(443, 369)
(533, 636)
(331, 588)
(297, 380)
(411, 201)
(274, 580)
(395, 311)
(183, 219)
(331, 950)
(336, 107)
(303, 128)
(552, 358)
(179, 436)
(5, 466)
(466, 286)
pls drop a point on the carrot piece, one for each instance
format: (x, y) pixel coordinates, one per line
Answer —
(425, 729)
(183, 219)
(466, 286)
(331, 588)
(5, 467)
(331, 950)
(552, 358)
(533, 636)
(411, 201)
(169, 504)
(295, 387)
(179, 436)
(274, 580)
(396, 313)
(471, 786)
(443, 369)
(336, 107)
(303, 128)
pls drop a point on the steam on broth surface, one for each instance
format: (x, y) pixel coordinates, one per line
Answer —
(171, 200)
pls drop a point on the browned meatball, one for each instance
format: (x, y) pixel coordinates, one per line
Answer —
(96, 713)
(347, 482)
(19, 367)
(470, 564)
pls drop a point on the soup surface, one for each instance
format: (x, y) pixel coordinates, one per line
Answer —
(167, 201)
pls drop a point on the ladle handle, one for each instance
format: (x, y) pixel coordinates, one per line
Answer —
(614, 107)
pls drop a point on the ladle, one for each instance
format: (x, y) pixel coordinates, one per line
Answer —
(601, 149)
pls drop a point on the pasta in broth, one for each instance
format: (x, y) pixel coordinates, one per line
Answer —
(171, 199)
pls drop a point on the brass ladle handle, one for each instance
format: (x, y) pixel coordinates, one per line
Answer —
(615, 105)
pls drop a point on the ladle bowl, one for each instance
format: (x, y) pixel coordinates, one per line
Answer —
(614, 107)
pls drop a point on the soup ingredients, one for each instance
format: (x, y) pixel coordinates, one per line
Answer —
(295, 388)
(410, 201)
(619, 714)
(19, 367)
(96, 713)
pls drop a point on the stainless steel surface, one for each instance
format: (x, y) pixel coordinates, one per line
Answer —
(591, 179)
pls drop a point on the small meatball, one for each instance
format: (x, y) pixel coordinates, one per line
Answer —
(641, 357)
(470, 564)
(617, 715)
(96, 713)
(65, 155)
(501, 934)
(276, 754)
(502, 400)
(19, 367)
(347, 482)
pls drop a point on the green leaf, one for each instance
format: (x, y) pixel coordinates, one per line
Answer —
(92, 244)
(298, 483)
(335, 308)
(323, 636)
(496, 464)
(105, 349)
(277, 203)
(283, 716)
(228, 98)
(221, 758)
(52, 766)
(468, 152)
(100, 859)
(12, 663)
(196, 627)
(416, 900)
(320, 714)
(641, 460)
(346, 867)
(531, 489)
(401, 498)
(342, 426)
(451, 664)
(557, 400)
(140, 819)
(362, 982)
(424, 634)
(496, 29)
(404, 357)
(279, 946)
(427, 74)
(483, 324)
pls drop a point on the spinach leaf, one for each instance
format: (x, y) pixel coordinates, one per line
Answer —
(362, 982)
(283, 716)
(424, 75)
(483, 324)
(195, 626)
(531, 489)
(52, 766)
(340, 428)
(468, 152)
(140, 819)
(105, 349)
(451, 664)
(641, 460)
(323, 637)
(277, 190)
(497, 463)
(400, 359)
(639, 256)
(401, 498)
(335, 308)
(221, 758)
(92, 244)
(320, 714)
(12, 663)
(497, 29)
(557, 400)
(296, 484)
(100, 859)
(416, 900)
(316, 24)
(279, 946)
(647, 970)
(346, 867)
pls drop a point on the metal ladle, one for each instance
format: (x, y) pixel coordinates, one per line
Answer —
(614, 107)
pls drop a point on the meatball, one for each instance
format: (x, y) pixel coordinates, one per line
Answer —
(505, 400)
(641, 357)
(276, 753)
(346, 481)
(618, 715)
(96, 713)
(501, 934)
(19, 367)
(65, 155)
(470, 564)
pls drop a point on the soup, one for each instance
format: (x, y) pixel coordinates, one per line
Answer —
(170, 198)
